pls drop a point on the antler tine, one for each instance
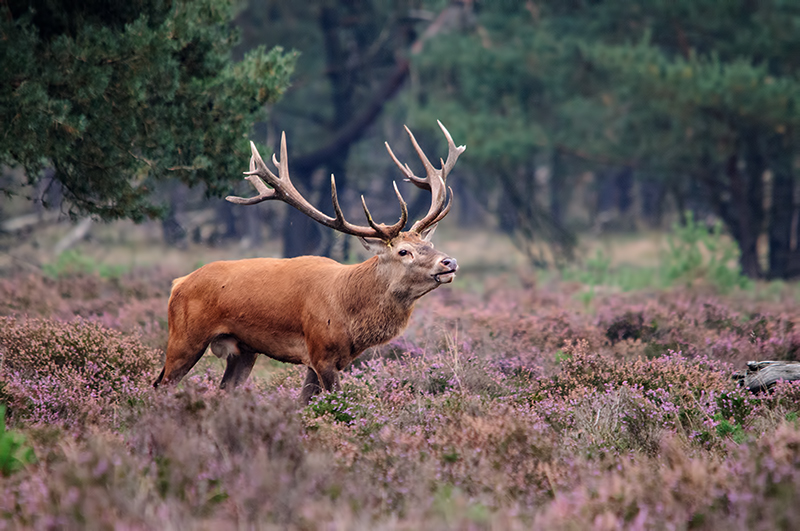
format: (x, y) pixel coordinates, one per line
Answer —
(453, 152)
(283, 190)
(446, 208)
(420, 182)
(429, 169)
(434, 180)
(438, 197)
(257, 170)
(385, 232)
(393, 230)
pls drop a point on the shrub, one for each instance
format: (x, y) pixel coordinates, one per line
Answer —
(694, 398)
(70, 373)
(135, 302)
(14, 452)
(695, 253)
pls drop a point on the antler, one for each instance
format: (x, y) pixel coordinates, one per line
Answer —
(283, 190)
(434, 181)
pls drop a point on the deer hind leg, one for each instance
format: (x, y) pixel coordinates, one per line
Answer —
(240, 362)
(181, 357)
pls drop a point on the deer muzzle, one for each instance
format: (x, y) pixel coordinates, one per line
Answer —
(449, 267)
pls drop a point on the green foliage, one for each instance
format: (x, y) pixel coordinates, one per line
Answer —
(14, 452)
(340, 405)
(561, 356)
(597, 269)
(695, 253)
(118, 97)
(728, 428)
(74, 262)
(703, 95)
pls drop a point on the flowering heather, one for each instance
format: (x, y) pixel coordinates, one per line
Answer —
(132, 303)
(507, 408)
(70, 374)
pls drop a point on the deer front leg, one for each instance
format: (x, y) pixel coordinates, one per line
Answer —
(330, 379)
(310, 386)
(317, 380)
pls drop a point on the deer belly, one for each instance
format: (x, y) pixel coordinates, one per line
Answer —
(287, 348)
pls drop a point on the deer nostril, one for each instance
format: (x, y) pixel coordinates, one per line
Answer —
(450, 263)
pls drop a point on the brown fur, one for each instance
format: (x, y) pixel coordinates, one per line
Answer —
(308, 310)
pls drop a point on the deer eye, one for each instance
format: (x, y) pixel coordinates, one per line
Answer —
(403, 252)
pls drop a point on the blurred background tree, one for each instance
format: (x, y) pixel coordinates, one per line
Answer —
(355, 59)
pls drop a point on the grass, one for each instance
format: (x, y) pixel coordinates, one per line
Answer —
(691, 255)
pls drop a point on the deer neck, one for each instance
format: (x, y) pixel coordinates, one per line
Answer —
(377, 314)
(375, 288)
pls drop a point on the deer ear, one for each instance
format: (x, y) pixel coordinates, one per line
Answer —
(427, 234)
(373, 245)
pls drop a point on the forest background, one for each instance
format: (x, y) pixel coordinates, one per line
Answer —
(579, 117)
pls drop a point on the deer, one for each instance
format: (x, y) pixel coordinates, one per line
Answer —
(311, 310)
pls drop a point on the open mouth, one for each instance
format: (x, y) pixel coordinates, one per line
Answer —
(445, 277)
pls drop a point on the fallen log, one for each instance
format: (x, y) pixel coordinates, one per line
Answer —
(762, 375)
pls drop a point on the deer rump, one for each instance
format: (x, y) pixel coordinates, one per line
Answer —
(310, 310)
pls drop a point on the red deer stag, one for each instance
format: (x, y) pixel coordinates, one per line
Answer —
(310, 309)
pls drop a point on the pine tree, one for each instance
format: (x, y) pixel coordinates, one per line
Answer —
(118, 96)
(704, 94)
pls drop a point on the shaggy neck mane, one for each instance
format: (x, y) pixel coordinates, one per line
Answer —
(366, 284)
(378, 314)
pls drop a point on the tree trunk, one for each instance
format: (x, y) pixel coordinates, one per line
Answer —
(745, 224)
(781, 212)
(301, 235)
(227, 218)
(557, 176)
(651, 195)
(173, 232)
(623, 181)
(253, 227)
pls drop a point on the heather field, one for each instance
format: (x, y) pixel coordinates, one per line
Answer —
(597, 397)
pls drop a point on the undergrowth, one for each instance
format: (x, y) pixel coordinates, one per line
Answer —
(505, 408)
(694, 255)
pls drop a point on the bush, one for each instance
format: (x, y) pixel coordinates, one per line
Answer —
(70, 373)
(693, 398)
(696, 253)
(134, 303)
(14, 452)
(509, 409)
